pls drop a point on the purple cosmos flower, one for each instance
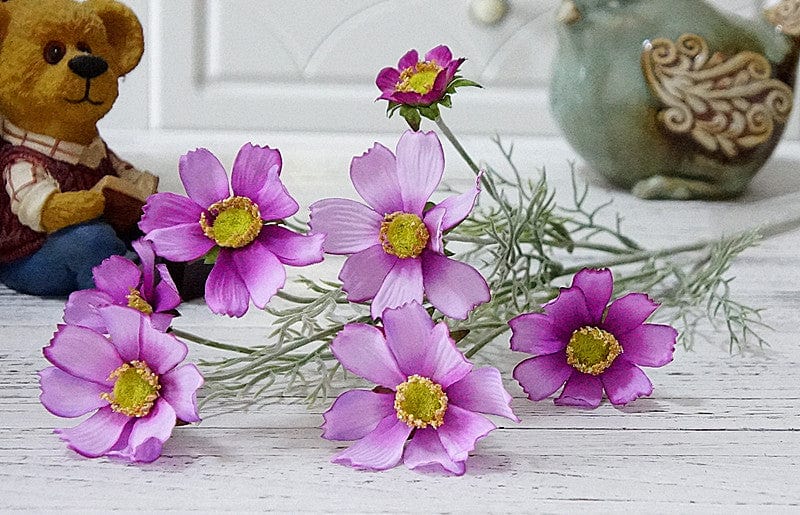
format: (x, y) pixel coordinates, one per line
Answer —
(578, 341)
(424, 408)
(234, 223)
(396, 245)
(419, 83)
(120, 282)
(417, 88)
(130, 379)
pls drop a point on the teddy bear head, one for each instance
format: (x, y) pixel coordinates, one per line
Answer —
(60, 61)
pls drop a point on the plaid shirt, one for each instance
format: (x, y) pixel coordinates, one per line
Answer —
(29, 184)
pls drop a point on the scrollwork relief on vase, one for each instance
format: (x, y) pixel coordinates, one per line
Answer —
(725, 103)
(785, 16)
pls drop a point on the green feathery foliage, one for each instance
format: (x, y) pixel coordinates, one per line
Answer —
(527, 246)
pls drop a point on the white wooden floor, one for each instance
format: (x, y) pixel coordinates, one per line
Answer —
(720, 433)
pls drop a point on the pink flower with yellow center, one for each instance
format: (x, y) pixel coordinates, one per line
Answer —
(590, 345)
(237, 225)
(425, 409)
(132, 379)
(395, 242)
(118, 281)
(418, 82)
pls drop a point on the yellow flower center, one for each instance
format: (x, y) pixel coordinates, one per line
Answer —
(418, 78)
(135, 389)
(404, 235)
(136, 301)
(591, 350)
(237, 222)
(420, 402)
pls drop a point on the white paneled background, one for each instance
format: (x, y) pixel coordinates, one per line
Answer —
(310, 65)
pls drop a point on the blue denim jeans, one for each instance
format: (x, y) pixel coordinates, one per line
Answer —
(65, 261)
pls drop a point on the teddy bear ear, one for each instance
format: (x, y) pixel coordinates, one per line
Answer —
(124, 33)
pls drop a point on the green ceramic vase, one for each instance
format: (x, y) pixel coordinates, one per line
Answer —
(672, 98)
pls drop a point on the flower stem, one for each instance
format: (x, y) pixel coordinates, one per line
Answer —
(763, 232)
(640, 256)
(211, 343)
(486, 340)
(490, 189)
(457, 144)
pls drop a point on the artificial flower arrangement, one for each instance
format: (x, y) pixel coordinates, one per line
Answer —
(425, 287)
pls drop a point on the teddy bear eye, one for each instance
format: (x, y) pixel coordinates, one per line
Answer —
(54, 52)
(83, 47)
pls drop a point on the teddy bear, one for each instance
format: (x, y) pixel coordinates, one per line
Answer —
(60, 62)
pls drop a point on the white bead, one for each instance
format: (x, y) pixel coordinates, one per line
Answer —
(489, 12)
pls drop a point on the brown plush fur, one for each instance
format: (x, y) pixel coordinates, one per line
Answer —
(35, 94)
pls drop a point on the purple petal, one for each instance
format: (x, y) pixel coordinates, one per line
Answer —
(433, 222)
(374, 175)
(408, 333)
(65, 395)
(454, 288)
(450, 363)
(181, 243)
(387, 79)
(179, 388)
(410, 58)
(147, 255)
(274, 201)
(162, 352)
(146, 452)
(348, 226)
(413, 98)
(251, 168)
(625, 382)
(461, 430)
(117, 276)
(164, 210)
(363, 273)
(425, 452)
(541, 376)
(81, 309)
(582, 390)
(420, 164)
(452, 68)
(70, 347)
(226, 292)
(124, 327)
(380, 450)
(568, 313)
(482, 390)
(203, 177)
(403, 284)
(649, 345)
(166, 296)
(149, 433)
(458, 207)
(422, 348)
(533, 333)
(628, 312)
(97, 434)
(597, 286)
(261, 271)
(291, 248)
(440, 54)
(161, 321)
(362, 350)
(355, 414)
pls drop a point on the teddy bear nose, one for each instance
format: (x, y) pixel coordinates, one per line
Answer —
(88, 66)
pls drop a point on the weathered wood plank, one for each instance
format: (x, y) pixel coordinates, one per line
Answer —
(721, 432)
